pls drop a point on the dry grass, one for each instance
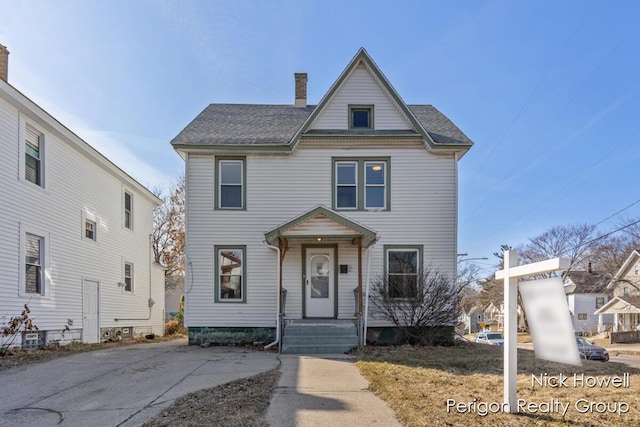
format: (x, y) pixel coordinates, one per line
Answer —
(417, 381)
(17, 357)
(239, 403)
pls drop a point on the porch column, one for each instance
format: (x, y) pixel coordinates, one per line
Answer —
(615, 322)
(600, 323)
(360, 276)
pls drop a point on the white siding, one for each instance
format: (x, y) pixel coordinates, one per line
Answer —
(423, 212)
(361, 88)
(76, 186)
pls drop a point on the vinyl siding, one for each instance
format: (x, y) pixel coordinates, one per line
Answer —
(76, 185)
(423, 212)
(361, 88)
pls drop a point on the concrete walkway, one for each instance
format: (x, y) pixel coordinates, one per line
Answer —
(122, 386)
(325, 391)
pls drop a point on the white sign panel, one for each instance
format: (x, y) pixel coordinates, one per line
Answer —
(545, 304)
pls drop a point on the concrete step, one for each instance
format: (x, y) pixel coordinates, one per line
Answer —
(320, 330)
(320, 339)
(319, 336)
(316, 349)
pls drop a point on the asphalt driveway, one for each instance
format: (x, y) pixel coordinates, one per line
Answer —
(119, 386)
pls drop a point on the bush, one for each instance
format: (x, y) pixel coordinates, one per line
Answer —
(16, 326)
(174, 327)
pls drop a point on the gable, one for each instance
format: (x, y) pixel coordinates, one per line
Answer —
(361, 87)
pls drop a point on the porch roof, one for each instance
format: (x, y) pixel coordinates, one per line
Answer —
(321, 224)
(620, 305)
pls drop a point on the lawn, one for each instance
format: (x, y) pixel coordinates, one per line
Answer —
(418, 383)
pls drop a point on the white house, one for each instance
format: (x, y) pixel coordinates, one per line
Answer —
(586, 293)
(315, 200)
(75, 232)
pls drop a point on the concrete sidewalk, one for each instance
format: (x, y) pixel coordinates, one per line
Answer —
(122, 386)
(325, 391)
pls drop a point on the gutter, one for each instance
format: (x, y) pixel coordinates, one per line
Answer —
(277, 249)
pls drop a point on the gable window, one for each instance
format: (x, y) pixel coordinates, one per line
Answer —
(231, 178)
(599, 302)
(361, 183)
(128, 277)
(402, 265)
(360, 117)
(625, 291)
(230, 276)
(33, 156)
(128, 210)
(33, 278)
(90, 229)
(636, 269)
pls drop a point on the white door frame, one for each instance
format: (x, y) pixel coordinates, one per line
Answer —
(90, 316)
(324, 305)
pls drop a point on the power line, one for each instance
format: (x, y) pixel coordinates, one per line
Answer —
(620, 211)
(600, 237)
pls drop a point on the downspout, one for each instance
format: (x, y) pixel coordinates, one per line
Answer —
(277, 249)
(150, 301)
(366, 301)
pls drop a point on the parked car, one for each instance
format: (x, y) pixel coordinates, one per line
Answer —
(591, 352)
(492, 338)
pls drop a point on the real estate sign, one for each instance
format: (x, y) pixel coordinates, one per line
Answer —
(545, 304)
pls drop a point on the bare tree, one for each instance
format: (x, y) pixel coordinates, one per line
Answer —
(168, 234)
(424, 308)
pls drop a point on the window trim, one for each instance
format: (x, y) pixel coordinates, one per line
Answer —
(218, 182)
(132, 277)
(361, 107)
(130, 211)
(44, 261)
(404, 248)
(216, 254)
(360, 182)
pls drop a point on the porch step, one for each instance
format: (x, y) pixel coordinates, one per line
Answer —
(319, 336)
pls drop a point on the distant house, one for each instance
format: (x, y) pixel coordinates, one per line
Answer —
(471, 318)
(625, 304)
(75, 232)
(494, 315)
(587, 292)
(314, 200)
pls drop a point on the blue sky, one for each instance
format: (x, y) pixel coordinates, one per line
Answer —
(549, 91)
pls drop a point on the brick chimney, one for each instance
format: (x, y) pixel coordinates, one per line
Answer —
(4, 62)
(301, 90)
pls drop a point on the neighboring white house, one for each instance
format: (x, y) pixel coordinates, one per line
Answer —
(75, 232)
(471, 319)
(625, 304)
(586, 293)
(314, 200)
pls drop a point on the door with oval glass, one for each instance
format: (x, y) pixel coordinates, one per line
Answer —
(319, 283)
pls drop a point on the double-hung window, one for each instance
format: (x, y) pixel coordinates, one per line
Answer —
(231, 272)
(128, 277)
(403, 266)
(361, 183)
(33, 155)
(90, 229)
(231, 181)
(33, 278)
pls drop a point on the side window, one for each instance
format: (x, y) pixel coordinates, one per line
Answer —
(90, 229)
(128, 277)
(230, 274)
(34, 260)
(599, 302)
(402, 266)
(128, 210)
(33, 149)
(230, 188)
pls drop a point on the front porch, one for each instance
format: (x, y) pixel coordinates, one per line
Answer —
(626, 318)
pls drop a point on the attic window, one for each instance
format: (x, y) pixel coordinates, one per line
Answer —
(361, 117)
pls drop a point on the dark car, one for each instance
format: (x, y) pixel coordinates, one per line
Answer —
(591, 352)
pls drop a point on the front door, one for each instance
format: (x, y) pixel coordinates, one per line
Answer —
(319, 285)
(90, 305)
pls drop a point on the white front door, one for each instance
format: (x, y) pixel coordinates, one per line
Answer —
(90, 327)
(319, 285)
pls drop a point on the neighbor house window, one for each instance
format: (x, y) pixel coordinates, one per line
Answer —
(90, 229)
(231, 181)
(128, 277)
(636, 269)
(360, 117)
(582, 316)
(33, 264)
(33, 156)
(128, 210)
(361, 183)
(599, 302)
(231, 272)
(402, 266)
(625, 291)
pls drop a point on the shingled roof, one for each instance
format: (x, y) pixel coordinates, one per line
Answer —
(238, 124)
(588, 283)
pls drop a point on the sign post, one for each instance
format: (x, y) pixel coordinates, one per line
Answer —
(510, 274)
